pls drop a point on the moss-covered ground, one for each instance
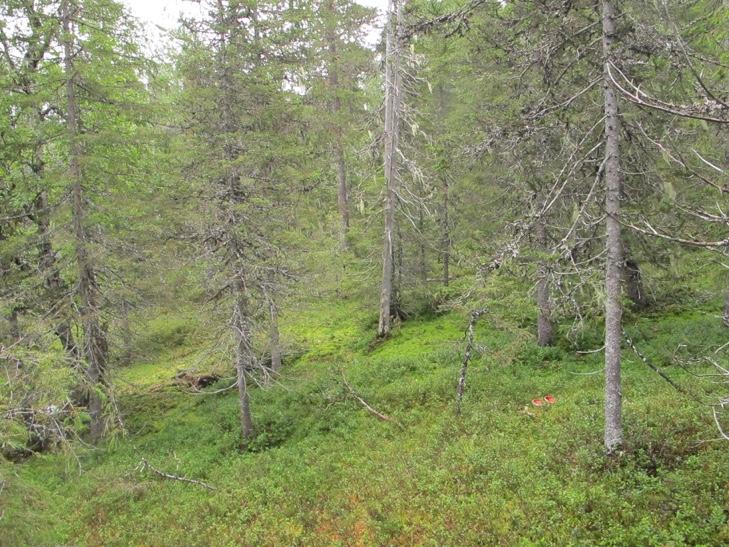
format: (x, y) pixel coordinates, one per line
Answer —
(324, 471)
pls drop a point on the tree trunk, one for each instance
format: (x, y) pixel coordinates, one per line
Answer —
(95, 345)
(634, 284)
(545, 324)
(445, 239)
(726, 309)
(392, 136)
(38, 48)
(243, 356)
(422, 251)
(275, 337)
(342, 194)
(398, 262)
(52, 278)
(232, 196)
(445, 227)
(336, 105)
(614, 265)
(470, 331)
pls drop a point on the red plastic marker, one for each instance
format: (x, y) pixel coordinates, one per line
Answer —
(550, 399)
(537, 402)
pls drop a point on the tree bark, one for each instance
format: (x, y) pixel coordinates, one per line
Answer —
(445, 227)
(95, 345)
(445, 240)
(243, 357)
(392, 136)
(398, 269)
(231, 199)
(614, 265)
(52, 278)
(275, 337)
(545, 324)
(422, 251)
(467, 352)
(726, 309)
(342, 193)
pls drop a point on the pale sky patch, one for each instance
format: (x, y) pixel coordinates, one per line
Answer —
(161, 16)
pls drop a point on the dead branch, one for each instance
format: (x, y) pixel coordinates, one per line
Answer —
(718, 424)
(723, 402)
(588, 351)
(635, 95)
(651, 231)
(475, 314)
(369, 408)
(658, 371)
(144, 465)
(707, 162)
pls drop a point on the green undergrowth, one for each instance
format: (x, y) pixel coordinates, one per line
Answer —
(322, 470)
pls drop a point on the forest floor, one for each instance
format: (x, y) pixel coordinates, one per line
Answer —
(323, 470)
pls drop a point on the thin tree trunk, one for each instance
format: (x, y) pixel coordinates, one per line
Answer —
(38, 46)
(545, 324)
(342, 194)
(243, 357)
(95, 345)
(398, 262)
(52, 278)
(726, 309)
(467, 352)
(232, 197)
(392, 136)
(338, 149)
(275, 336)
(614, 265)
(445, 227)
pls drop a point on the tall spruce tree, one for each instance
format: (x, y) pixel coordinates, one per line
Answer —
(240, 109)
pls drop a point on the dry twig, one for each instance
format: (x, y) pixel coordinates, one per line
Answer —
(367, 406)
(144, 465)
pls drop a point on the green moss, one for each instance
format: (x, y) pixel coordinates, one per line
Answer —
(322, 470)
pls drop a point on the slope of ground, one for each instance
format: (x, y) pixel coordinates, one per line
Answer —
(324, 471)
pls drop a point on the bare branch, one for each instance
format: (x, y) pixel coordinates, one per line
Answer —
(144, 465)
(368, 407)
(635, 95)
